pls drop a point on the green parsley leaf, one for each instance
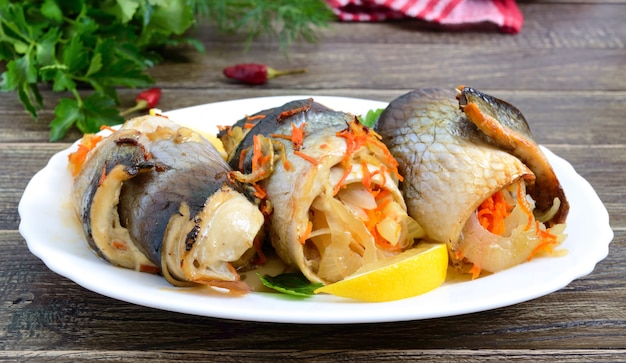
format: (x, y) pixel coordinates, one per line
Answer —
(75, 55)
(124, 10)
(89, 115)
(67, 113)
(21, 75)
(98, 110)
(51, 10)
(62, 81)
(45, 52)
(371, 117)
(291, 283)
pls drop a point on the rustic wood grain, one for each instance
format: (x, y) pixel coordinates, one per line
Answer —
(565, 72)
(563, 117)
(43, 311)
(324, 356)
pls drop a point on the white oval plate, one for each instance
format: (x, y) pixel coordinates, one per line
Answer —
(53, 233)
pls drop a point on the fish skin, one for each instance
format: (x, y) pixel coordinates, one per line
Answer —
(506, 114)
(505, 126)
(315, 115)
(159, 175)
(122, 149)
(148, 200)
(449, 166)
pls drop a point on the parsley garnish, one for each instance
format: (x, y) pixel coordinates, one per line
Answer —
(89, 48)
(290, 283)
(371, 117)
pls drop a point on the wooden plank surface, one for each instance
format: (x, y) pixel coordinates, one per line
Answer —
(566, 71)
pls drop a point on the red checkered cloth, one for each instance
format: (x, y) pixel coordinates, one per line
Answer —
(503, 13)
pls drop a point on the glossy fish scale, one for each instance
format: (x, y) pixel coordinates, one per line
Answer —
(448, 167)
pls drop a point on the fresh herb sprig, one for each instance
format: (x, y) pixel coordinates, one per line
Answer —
(99, 46)
(283, 20)
(371, 117)
(294, 284)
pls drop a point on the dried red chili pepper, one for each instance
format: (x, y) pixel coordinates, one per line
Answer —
(145, 100)
(256, 73)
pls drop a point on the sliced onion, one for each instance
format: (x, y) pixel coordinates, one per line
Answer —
(493, 253)
(547, 215)
(390, 230)
(357, 195)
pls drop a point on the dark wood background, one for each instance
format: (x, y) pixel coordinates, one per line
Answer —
(566, 71)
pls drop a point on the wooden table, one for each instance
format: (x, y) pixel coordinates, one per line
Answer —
(566, 71)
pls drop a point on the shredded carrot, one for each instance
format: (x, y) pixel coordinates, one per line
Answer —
(391, 161)
(382, 194)
(521, 201)
(492, 212)
(259, 192)
(242, 157)
(227, 128)
(375, 216)
(103, 175)
(289, 113)
(119, 245)
(77, 158)
(257, 154)
(286, 164)
(260, 258)
(346, 172)
(254, 118)
(248, 125)
(149, 269)
(548, 241)
(475, 271)
(306, 157)
(357, 135)
(304, 236)
(297, 135)
(107, 127)
(353, 141)
(258, 159)
(367, 177)
(281, 136)
(458, 254)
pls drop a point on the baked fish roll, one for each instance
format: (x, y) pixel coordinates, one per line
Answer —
(507, 128)
(466, 177)
(329, 188)
(155, 195)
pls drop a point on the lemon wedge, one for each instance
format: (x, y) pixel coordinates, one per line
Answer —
(407, 274)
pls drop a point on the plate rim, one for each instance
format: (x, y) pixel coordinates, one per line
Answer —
(583, 268)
